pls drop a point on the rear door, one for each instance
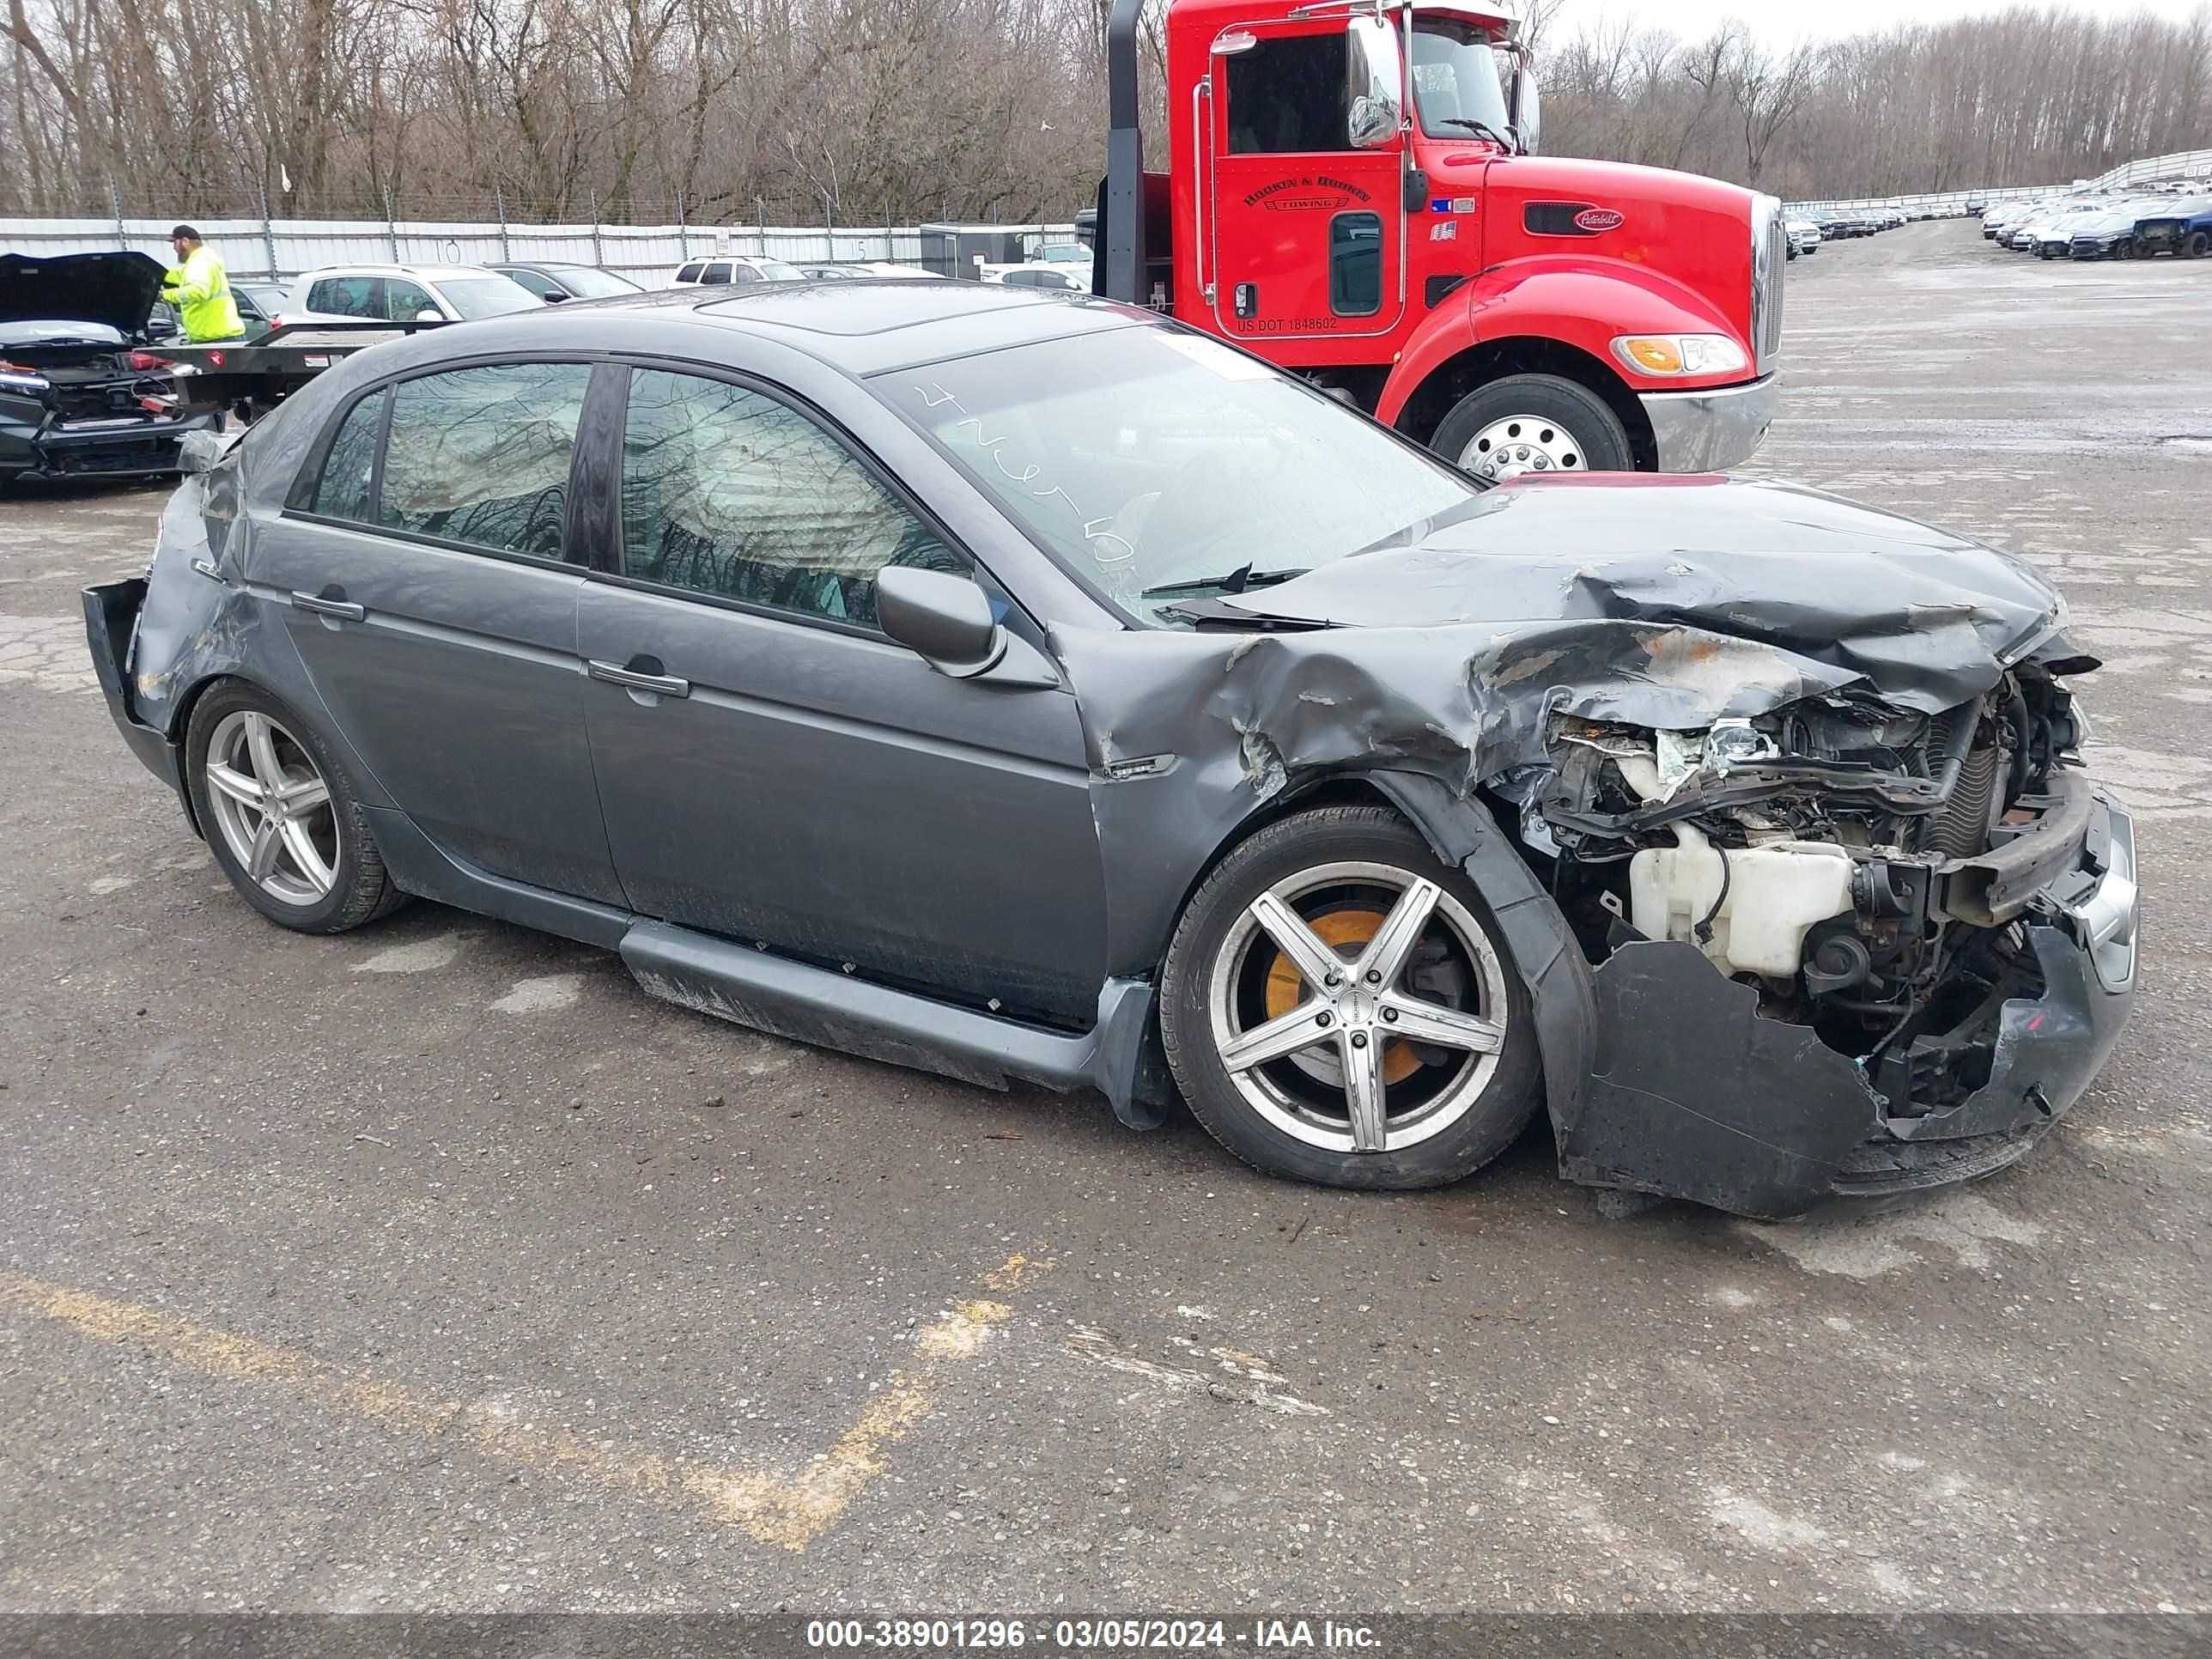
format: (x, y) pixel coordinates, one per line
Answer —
(1305, 234)
(775, 770)
(421, 569)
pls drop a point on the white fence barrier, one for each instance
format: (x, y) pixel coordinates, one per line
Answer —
(648, 253)
(2182, 164)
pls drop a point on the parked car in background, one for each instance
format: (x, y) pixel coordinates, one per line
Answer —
(1059, 279)
(2051, 237)
(2181, 226)
(1805, 237)
(79, 389)
(735, 270)
(404, 294)
(2107, 234)
(554, 282)
(833, 270)
(1025, 688)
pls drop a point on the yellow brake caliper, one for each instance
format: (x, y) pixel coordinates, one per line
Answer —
(1341, 930)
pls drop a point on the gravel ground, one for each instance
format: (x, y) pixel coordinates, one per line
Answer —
(437, 1267)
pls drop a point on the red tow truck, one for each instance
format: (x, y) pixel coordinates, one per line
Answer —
(1352, 192)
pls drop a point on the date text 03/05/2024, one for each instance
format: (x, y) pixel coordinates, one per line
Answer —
(1089, 1635)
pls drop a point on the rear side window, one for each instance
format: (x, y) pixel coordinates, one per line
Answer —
(346, 296)
(481, 455)
(728, 493)
(717, 273)
(344, 491)
(689, 273)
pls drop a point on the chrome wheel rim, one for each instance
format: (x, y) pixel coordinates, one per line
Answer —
(1333, 1070)
(1522, 443)
(272, 808)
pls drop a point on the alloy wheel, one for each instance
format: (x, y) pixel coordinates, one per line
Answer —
(272, 807)
(1522, 443)
(1359, 1008)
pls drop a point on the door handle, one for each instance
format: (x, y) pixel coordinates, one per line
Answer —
(343, 609)
(666, 685)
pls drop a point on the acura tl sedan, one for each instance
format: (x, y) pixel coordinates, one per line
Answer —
(1024, 687)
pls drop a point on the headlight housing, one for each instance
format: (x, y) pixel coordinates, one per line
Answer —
(1680, 354)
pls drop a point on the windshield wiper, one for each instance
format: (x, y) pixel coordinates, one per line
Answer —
(1236, 581)
(1475, 127)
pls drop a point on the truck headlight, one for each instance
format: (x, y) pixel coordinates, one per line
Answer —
(1680, 354)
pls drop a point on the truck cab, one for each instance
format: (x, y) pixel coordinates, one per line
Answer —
(1352, 192)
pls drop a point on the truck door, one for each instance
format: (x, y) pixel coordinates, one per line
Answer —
(1305, 235)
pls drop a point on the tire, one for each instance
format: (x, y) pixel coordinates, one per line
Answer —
(2198, 245)
(325, 873)
(1522, 417)
(1336, 873)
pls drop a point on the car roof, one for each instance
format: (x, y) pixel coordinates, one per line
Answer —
(432, 273)
(859, 329)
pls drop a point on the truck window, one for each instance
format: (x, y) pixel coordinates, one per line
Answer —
(1286, 96)
(1455, 85)
(1355, 264)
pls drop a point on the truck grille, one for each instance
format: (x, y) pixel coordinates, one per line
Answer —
(1769, 250)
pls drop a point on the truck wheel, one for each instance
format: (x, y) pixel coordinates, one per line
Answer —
(1532, 424)
(1338, 1006)
(2198, 245)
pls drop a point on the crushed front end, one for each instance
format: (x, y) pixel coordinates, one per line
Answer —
(1844, 947)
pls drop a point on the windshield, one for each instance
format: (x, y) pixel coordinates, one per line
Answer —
(589, 282)
(52, 330)
(1064, 253)
(1455, 79)
(487, 296)
(1146, 457)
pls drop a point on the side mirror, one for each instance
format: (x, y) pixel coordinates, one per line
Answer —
(943, 619)
(1374, 79)
(159, 327)
(553, 298)
(429, 314)
(1527, 115)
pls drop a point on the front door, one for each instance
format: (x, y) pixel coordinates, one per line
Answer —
(1307, 234)
(776, 771)
(421, 575)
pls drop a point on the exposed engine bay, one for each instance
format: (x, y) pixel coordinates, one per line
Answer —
(1824, 854)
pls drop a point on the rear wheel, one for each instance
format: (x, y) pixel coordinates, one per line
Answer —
(2198, 245)
(1532, 424)
(1337, 1006)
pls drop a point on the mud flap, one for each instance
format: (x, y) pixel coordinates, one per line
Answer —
(1695, 1095)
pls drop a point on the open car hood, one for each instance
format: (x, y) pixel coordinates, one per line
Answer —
(118, 290)
(1608, 576)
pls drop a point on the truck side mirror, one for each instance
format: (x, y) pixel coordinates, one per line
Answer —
(1528, 116)
(1374, 74)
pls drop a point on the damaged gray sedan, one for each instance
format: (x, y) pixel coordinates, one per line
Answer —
(1023, 688)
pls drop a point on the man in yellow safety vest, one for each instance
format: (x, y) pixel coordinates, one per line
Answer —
(199, 288)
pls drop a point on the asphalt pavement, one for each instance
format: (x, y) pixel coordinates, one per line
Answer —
(438, 1267)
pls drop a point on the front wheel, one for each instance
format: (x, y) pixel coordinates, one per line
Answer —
(1532, 424)
(1338, 1006)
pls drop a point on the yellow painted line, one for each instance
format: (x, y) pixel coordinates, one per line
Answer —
(790, 1511)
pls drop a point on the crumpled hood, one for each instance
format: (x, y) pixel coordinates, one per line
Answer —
(118, 290)
(1749, 593)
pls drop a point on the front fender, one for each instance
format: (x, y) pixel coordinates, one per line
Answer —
(1579, 302)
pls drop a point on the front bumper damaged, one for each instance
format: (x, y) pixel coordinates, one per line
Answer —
(1695, 1094)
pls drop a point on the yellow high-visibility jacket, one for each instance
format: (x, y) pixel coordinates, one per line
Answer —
(200, 290)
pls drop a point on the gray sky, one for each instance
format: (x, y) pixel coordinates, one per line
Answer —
(1783, 22)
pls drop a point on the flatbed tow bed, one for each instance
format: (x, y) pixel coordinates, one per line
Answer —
(263, 373)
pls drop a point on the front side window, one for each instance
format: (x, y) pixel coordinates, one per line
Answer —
(1286, 96)
(543, 287)
(1155, 465)
(404, 301)
(349, 469)
(481, 455)
(718, 274)
(731, 494)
